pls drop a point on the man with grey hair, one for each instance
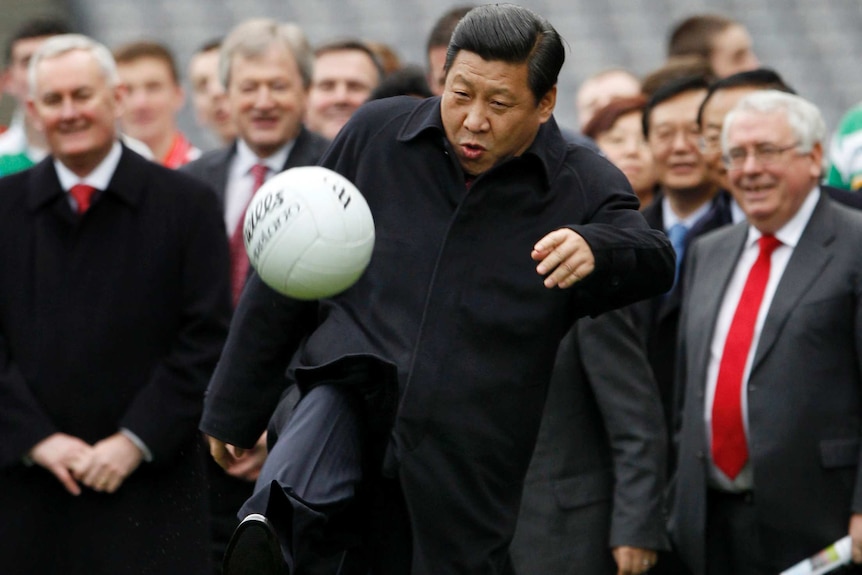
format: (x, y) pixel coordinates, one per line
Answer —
(114, 304)
(266, 69)
(770, 362)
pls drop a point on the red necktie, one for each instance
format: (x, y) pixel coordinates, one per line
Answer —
(238, 255)
(729, 447)
(83, 195)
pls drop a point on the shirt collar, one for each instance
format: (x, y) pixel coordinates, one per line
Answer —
(549, 147)
(790, 232)
(99, 178)
(246, 159)
(670, 219)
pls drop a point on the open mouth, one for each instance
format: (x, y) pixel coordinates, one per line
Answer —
(472, 151)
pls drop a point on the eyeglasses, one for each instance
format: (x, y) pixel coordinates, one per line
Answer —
(764, 154)
(667, 135)
(710, 142)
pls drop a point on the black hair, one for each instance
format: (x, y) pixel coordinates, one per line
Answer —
(352, 45)
(762, 78)
(210, 45)
(441, 33)
(407, 81)
(513, 34)
(671, 90)
(36, 28)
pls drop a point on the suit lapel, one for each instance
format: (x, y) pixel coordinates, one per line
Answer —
(218, 165)
(718, 216)
(707, 292)
(809, 258)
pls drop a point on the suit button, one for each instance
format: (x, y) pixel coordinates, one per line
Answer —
(752, 388)
(700, 455)
(615, 281)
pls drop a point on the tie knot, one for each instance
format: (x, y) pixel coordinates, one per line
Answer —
(83, 195)
(676, 234)
(258, 172)
(677, 231)
(768, 243)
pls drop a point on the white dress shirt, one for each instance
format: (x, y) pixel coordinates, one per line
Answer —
(99, 178)
(240, 180)
(669, 217)
(789, 236)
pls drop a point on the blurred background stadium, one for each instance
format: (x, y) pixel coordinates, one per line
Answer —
(815, 44)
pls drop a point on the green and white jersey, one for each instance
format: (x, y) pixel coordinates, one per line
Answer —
(845, 152)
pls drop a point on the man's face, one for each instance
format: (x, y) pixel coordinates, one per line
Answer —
(76, 108)
(342, 81)
(673, 140)
(770, 193)
(489, 112)
(208, 95)
(596, 93)
(712, 119)
(153, 99)
(266, 99)
(436, 73)
(732, 52)
(15, 82)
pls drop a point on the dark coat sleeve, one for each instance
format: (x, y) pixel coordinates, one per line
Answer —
(23, 422)
(171, 400)
(632, 260)
(266, 331)
(627, 397)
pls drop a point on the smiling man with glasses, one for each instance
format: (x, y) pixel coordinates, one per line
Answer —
(685, 208)
(769, 445)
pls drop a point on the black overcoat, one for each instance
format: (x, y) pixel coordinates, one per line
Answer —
(112, 319)
(452, 300)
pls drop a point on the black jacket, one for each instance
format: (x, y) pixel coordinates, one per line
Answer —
(452, 301)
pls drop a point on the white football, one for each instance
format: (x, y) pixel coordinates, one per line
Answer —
(309, 233)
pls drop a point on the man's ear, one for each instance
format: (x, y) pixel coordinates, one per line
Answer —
(120, 91)
(547, 104)
(33, 114)
(817, 157)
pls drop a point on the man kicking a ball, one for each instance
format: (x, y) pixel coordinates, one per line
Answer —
(423, 384)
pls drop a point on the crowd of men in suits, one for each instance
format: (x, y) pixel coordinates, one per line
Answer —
(712, 429)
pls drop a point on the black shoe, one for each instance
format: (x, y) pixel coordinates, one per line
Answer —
(254, 549)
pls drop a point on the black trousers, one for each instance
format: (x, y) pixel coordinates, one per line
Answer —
(321, 485)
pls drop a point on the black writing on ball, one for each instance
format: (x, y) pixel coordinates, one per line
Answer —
(340, 191)
(261, 209)
(272, 228)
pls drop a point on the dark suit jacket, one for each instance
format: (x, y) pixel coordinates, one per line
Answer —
(114, 319)
(804, 392)
(657, 318)
(213, 166)
(596, 479)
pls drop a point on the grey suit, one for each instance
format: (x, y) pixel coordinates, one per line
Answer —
(804, 392)
(597, 473)
(213, 166)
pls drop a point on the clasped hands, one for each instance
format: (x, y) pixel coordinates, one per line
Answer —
(74, 462)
